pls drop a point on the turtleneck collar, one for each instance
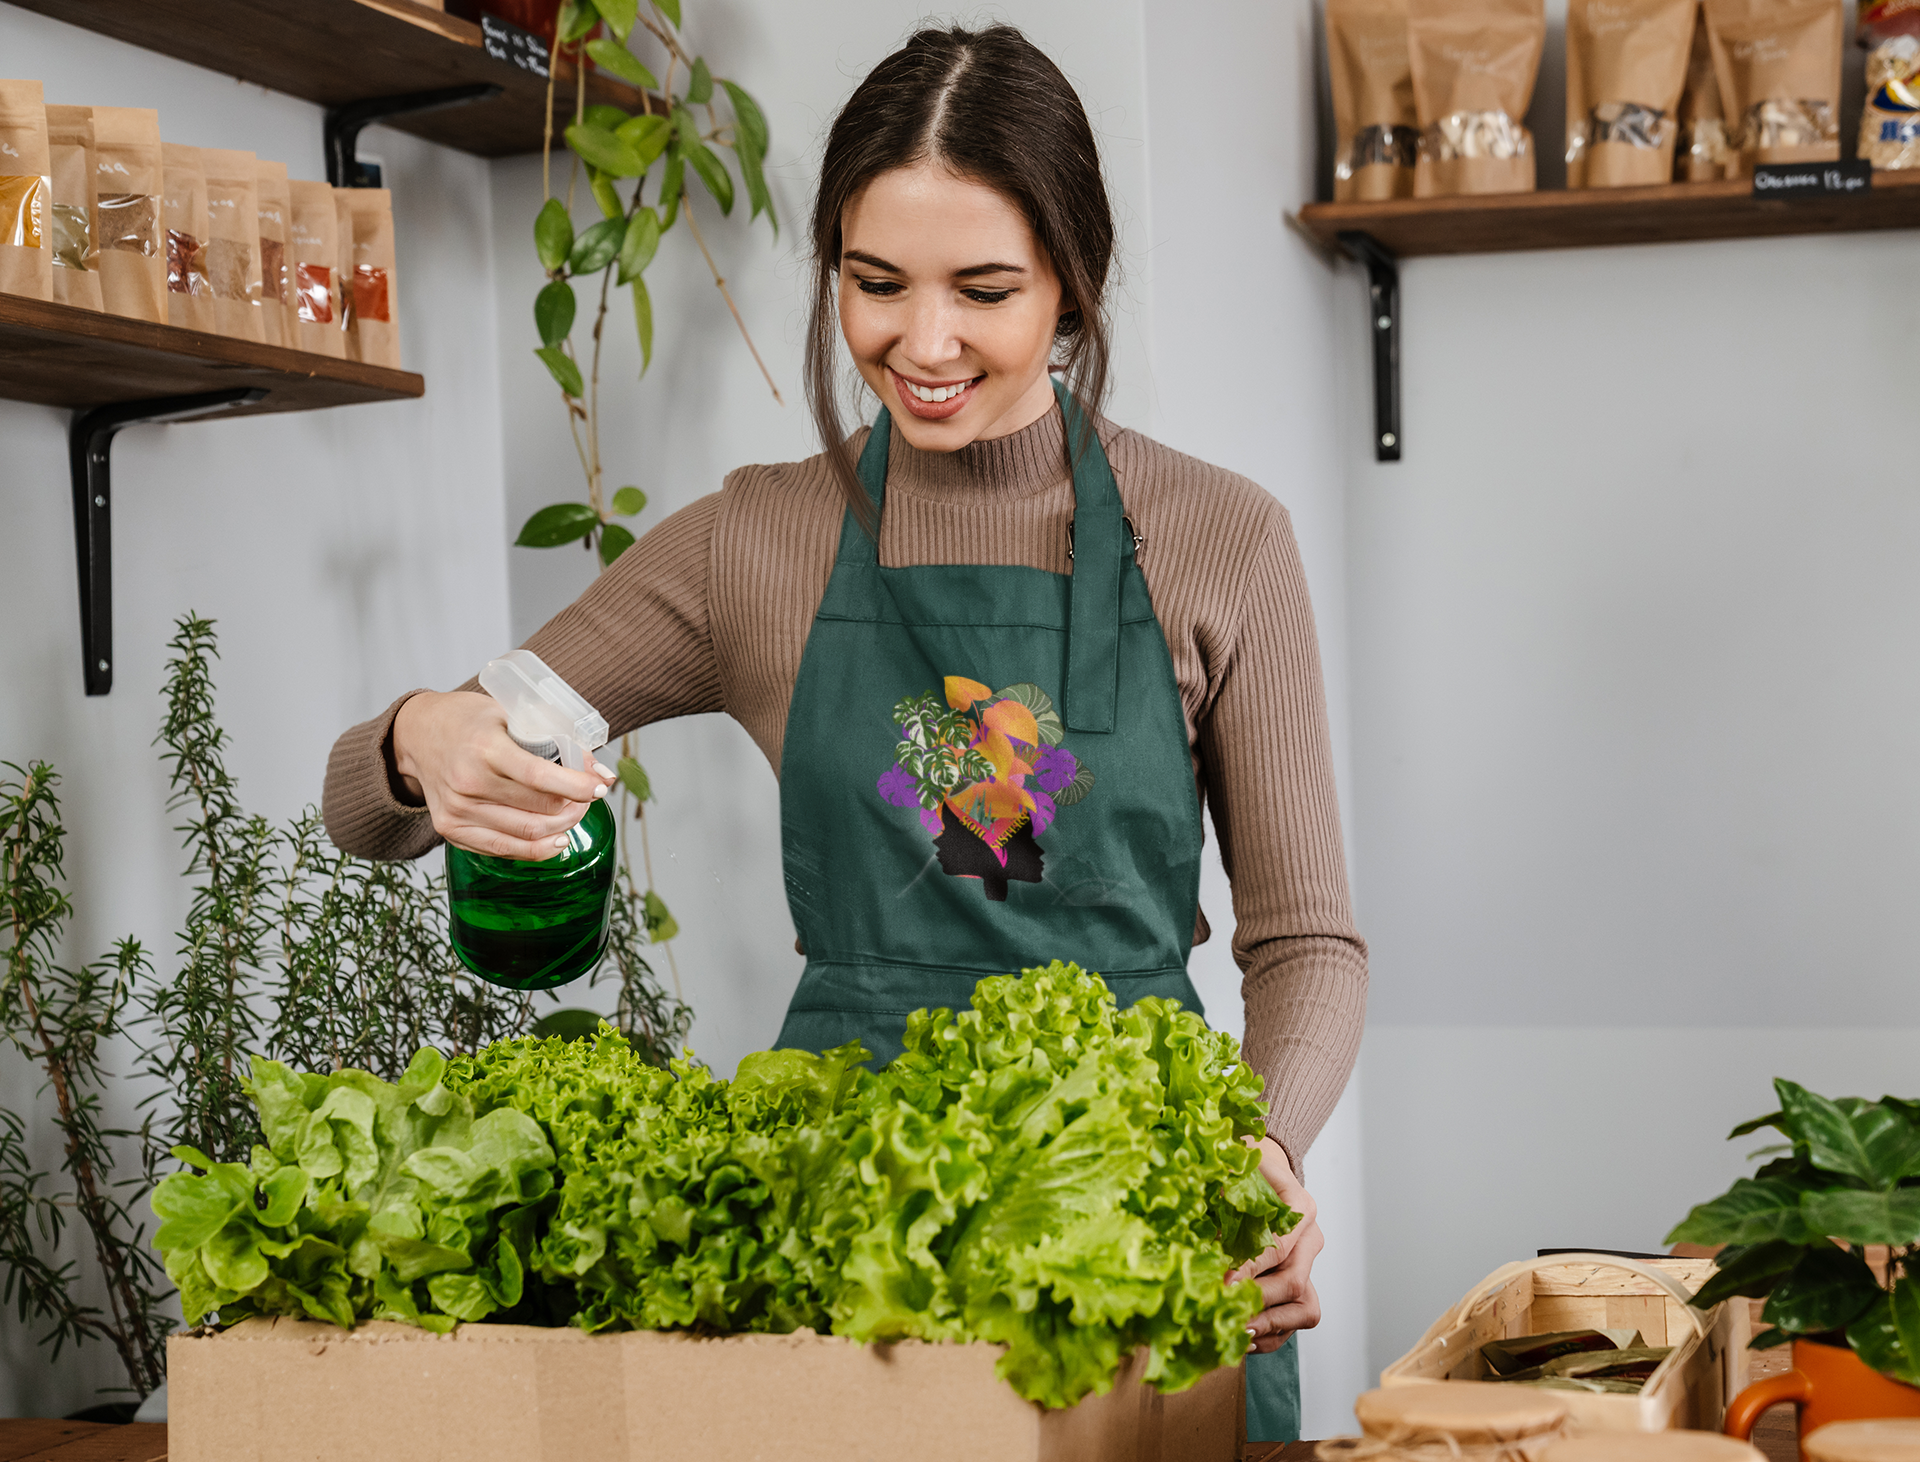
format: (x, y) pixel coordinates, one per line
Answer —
(1024, 464)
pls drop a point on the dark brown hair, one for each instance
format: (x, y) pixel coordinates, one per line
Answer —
(989, 106)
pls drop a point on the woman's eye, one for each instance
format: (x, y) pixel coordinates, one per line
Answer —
(877, 286)
(987, 296)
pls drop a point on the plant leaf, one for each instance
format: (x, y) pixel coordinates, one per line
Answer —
(553, 311)
(576, 18)
(595, 248)
(1045, 717)
(1871, 1143)
(670, 9)
(661, 925)
(1754, 1124)
(619, 15)
(568, 1025)
(600, 114)
(557, 524)
(1887, 1337)
(614, 541)
(700, 83)
(643, 322)
(1878, 1217)
(640, 243)
(712, 172)
(601, 186)
(756, 180)
(597, 147)
(1750, 1212)
(671, 182)
(563, 371)
(647, 136)
(1827, 1290)
(749, 121)
(635, 778)
(616, 60)
(1752, 1273)
(628, 501)
(1077, 789)
(552, 234)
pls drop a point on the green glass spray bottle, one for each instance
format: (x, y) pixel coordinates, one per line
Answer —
(532, 926)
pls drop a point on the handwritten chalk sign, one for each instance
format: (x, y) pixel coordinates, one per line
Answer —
(510, 43)
(1812, 179)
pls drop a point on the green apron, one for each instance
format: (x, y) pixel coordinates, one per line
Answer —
(960, 792)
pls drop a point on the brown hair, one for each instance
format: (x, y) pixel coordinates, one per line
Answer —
(989, 106)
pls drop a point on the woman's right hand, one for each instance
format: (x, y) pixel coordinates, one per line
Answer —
(487, 795)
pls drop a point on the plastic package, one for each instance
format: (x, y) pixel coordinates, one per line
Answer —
(76, 281)
(26, 192)
(128, 182)
(1474, 63)
(1890, 124)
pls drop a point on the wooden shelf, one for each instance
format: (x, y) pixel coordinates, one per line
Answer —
(337, 51)
(59, 355)
(1590, 217)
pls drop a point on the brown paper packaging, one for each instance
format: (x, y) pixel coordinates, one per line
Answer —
(1703, 153)
(313, 257)
(1778, 65)
(233, 242)
(374, 321)
(26, 189)
(1626, 65)
(276, 211)
(343, 272)
(70, 147)
(183, 216)
(1377, 129)
(1474, 63)
(128, 183)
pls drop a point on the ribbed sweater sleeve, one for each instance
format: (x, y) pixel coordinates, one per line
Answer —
(1268, 763)
(636, 645)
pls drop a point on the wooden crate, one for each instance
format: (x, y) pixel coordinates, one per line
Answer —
(1577, 1291)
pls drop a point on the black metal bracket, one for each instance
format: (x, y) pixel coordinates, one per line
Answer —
(343, 124)
(1383, 325)
(89, 456)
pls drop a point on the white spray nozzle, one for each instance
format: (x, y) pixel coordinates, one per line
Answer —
(544, 714)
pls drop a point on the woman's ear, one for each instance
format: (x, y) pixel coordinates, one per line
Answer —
(1068, 325)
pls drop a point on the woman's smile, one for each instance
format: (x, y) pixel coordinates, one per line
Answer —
(933, 401)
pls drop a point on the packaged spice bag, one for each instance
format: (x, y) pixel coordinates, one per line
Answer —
(1890, 124)
(1377, 131)
(233, 242)
(275, 212)
(128, 181)
(1474, 63)
(373, 333)
(313, 253)
(1703, 153)
(1778, 64)
(343, 270)
(1626, 65)
(26, 192)
(183, 215)
(70, 150)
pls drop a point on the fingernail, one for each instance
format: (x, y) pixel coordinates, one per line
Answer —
(606, 772)
(561, 841)
(604, 791)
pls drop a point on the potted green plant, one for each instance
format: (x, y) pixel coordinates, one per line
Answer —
(1804, 1232)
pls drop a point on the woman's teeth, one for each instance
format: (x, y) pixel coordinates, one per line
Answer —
(937, 393)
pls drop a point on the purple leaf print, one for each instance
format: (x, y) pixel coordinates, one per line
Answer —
(898, 788)
(1054, 771)
(931, 822)
(1043, 811)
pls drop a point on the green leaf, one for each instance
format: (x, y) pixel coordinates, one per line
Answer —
(1827, 1290)
(671, 182)
(1871, 1143)
(1750, 1212)
(552, 234)
(553, 311)
(1077, 789)
(576, 18)
(1045, 717)
(563, 371)
(614, 541)
(756, 180)
(619, 16)
(628, 501)
(647, 136)
(713, 173)
(661, 925)
(670, 9)
(1772, 1119)
(567, 1025)
(749, 122)
(641, 242)
(617, 60)
(595, 248)
(560, 523)
(600, 114)
(597, 147)
(635, 777)
(1887, 1337)
(1865, 1217)
(643, 322)
(1753, 1272)
(700, 83)
(601, 186)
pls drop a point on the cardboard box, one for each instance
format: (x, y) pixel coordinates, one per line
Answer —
(302, 1391)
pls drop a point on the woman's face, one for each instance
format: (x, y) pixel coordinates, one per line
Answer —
(945, 294)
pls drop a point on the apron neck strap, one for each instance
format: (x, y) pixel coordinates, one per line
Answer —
(1100, 545)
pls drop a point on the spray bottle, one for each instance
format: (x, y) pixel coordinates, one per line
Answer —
(532, 926)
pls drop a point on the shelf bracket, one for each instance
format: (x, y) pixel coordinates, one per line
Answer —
(89, 456)
(343, 124)
(1383, 325)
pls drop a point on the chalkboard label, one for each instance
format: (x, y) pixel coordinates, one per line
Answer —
(510, 43)
(1812, 179)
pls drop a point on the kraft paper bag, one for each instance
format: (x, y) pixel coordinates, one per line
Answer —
(313, 256)
(1626, 66)
(233, 242)
(1474, 64)
(374, 333)
(1377, 130)
(1778, 65)
(183, 213)
(276, 215)
(26, 192)
(128, 183)
(76, 280)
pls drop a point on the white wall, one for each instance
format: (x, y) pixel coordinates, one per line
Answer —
(346, 554)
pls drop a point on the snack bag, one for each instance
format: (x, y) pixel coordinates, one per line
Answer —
(1377, 130)
(276, 213)
(1474, 63)
(70, 148)
(1890, 124)
(183, 210)
(1778, 64)
(1626, 64)
(233, 242)
(26, 192)
(128, 182)
(313, 255)
(1703, 153)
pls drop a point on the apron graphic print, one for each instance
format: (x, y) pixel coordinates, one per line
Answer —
(987, 773)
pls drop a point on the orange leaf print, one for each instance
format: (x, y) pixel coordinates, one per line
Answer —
(962, 692)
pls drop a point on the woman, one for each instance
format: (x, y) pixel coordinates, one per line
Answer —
(997, 649)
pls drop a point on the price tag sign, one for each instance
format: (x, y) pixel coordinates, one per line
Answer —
(510, 43)
(1812, 179)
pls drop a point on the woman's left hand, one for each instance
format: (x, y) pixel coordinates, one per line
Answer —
(1285, 1271)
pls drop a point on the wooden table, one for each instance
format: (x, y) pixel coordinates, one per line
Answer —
(33, 1439)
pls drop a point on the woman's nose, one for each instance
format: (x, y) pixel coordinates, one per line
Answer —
(931, 338)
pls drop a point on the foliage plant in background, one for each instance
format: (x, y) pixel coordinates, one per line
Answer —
(1042, 1171)
(678, 140)
(1798, 1230)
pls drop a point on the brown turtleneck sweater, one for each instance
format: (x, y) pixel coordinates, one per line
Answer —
(710, 611)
